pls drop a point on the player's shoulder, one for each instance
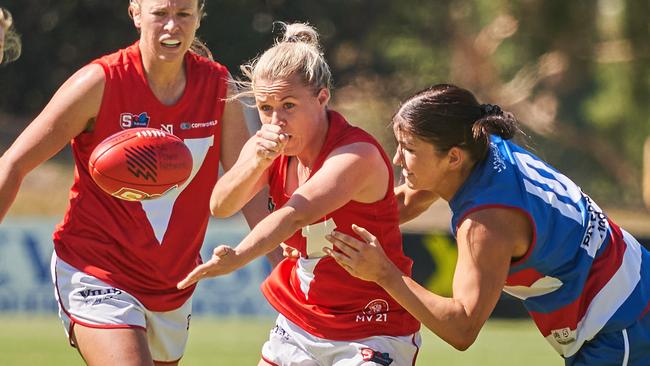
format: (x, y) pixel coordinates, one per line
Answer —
(87, 82)
(119, 58)
(207, 65)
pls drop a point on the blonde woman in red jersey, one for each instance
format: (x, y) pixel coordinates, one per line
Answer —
(116, 263)
(10, 45)
(323, 174)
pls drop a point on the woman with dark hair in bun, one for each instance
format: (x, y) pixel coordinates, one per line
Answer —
(521, 227)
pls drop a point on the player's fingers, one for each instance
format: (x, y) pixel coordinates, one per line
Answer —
(271, 147)
(346, 249)
(266, 153)
(340, 258)
(222, 250)
(342, 240)
(284, 138)
(198, 273)
(268, 127)
(269, 136)
(364, 234)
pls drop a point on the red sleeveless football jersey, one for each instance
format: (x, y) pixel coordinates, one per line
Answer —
(146, 247)
(317, 293)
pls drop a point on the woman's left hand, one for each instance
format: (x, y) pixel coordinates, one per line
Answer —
(224, 260)
(363, 259)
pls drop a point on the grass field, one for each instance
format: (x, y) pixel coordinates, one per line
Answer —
(237, 341)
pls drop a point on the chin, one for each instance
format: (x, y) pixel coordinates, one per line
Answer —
(411, 185)
(170, 58)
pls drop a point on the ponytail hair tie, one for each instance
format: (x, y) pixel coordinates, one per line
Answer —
(490, 110)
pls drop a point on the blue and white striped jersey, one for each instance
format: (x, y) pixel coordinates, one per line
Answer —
(582, 274)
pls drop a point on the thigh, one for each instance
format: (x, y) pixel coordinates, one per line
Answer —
(106, 324)
(120, 346)
(167, 333)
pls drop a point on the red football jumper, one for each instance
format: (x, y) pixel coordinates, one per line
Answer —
(318, 294)
(146, 248)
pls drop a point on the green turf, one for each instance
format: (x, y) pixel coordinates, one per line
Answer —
(214, 341)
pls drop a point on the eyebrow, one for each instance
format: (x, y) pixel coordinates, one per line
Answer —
(281, 100)
(163, 7)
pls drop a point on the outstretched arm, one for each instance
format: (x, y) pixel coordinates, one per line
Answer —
(67, 114)
(234, 136)
(487, 240)
(359, 165)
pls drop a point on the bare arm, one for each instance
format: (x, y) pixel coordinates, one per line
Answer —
(412, 203)
(234, 135)
(358, 166)
(67, 114)
(487, 241)
(239, 184)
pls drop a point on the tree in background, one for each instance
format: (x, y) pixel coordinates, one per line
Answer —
(576, 73)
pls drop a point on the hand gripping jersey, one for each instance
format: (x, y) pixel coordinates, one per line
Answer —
(146, 247)
(315, 292)
(582, 274)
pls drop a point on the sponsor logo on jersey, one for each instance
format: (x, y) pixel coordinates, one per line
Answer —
(596, 229)
(370, 355)
(132, 194)
(375, 311)
(498, 163)
(193, 125)
(130, 120)
(168, 128)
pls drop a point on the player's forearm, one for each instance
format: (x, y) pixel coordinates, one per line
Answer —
(235, 189)
(268, 234)
(446, 317)
(10, 180)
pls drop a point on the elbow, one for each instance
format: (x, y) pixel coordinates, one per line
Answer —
(295, 219)
(462, 344)
(219, 214)
(219, 210)
(461, 338)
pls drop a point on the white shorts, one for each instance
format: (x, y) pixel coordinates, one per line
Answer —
(289, 344)
(85, 300)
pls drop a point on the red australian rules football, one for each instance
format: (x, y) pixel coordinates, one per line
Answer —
(140, 164)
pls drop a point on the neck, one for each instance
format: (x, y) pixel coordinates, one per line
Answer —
(454, 182)
(166, 79)
(308, 156)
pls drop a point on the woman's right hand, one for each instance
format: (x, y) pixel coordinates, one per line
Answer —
(363, 259)
(270, 142)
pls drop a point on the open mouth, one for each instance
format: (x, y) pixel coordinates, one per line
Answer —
(171, 43)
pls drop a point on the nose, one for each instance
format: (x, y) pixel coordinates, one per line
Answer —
(171, 24)
(397, 158)
(277, 119)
